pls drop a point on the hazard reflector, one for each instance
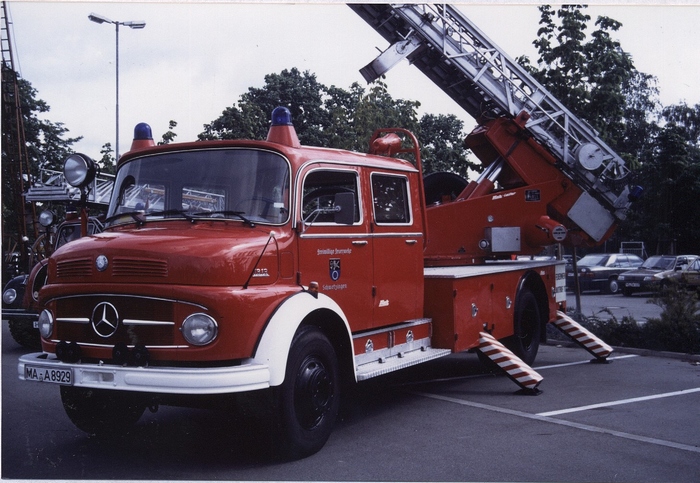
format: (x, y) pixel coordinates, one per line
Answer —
(582, 336)
(514, 367)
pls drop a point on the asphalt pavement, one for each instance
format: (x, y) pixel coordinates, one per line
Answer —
(638, 306)
(634, 419)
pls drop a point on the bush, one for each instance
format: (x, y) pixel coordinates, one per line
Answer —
(676, 330)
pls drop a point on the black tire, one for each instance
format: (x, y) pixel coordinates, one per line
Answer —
(307, 403)
(24, 333)
(613, 286)
(101, 412)
(627, 292)
(527, 327)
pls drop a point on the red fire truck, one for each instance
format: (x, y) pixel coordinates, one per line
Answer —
(274, 268)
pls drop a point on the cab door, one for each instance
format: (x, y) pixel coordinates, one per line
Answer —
(398, 249)
(337, 257)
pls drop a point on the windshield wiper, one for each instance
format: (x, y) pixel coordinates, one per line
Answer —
(239, 214)
(140, 216)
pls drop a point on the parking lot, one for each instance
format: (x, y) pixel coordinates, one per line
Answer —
(635, 419)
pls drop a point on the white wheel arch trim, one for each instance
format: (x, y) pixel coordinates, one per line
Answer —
(276, 340)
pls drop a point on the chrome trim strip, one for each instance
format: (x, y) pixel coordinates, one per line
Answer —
(145, 297)
(131, 346)
(362, 235)
(73, 320)
(405, 325)
(146, 322)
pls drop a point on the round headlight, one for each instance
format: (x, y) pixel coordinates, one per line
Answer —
(9, 296)
(199, 329)
(46, 218)
(79, 170)
(45, 324)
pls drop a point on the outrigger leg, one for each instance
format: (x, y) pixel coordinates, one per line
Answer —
(583, 337)
(519, 372)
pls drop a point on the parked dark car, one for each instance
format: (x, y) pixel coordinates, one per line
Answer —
(690, 277)
(654, 273)
(600, 271)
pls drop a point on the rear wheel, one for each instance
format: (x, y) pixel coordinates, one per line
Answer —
(527, 327)
(307, 402)
(101, 412)
(613, 286)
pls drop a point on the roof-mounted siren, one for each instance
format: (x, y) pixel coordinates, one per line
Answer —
(143, 137)
(282, 130)
(389, 58)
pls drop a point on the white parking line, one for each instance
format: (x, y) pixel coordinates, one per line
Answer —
(617, 403)
(582, 362)
(562, 422)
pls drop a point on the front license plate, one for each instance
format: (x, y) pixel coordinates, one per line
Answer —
(632, 284)
(56, 376)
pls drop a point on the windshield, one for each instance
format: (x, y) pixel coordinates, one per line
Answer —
(244, 184)
(593, 261)
(659, 263)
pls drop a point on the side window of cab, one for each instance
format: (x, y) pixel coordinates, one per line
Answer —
(390, 199)
(320, 188)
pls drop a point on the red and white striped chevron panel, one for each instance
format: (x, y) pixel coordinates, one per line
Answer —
(522, 374)
(582, 336)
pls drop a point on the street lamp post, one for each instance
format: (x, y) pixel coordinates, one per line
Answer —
(138, 24)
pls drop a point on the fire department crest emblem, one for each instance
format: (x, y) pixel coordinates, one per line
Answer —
(334, 268)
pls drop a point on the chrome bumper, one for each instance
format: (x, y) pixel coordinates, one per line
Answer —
(167, 380)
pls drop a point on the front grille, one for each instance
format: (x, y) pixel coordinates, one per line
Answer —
(142, 320)
(136, 267)
(74, 268)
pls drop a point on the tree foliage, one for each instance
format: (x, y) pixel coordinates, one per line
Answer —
(341, 118)
(596, 79)
(46, 147)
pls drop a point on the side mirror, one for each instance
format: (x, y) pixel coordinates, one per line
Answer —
(344, 208)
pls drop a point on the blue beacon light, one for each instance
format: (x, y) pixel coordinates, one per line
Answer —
(143, 132)
(281, 116)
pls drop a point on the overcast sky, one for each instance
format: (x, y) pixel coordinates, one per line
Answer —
(194, 59)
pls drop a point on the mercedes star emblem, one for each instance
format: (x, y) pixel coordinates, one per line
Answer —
(105, 319)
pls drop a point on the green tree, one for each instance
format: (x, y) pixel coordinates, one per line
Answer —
(107, 163)
(666, 216)
(339, 118)
(595, 79)
(442, 142)
(168, 136)
(686, 117)
(46, 144)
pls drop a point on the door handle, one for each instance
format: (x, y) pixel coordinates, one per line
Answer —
(411, 242)
(360, 242)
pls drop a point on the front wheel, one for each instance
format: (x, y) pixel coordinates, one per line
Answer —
(101, 412)
(307, 402)
(613, 286)
(527, 327)
(24, 333)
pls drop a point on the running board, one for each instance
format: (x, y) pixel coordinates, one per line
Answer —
(583, 337)
(398, 361)
(514, 367)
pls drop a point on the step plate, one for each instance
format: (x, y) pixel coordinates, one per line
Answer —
(397, 362)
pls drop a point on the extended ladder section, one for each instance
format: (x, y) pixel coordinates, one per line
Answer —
(52, 186)
(482, 79)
